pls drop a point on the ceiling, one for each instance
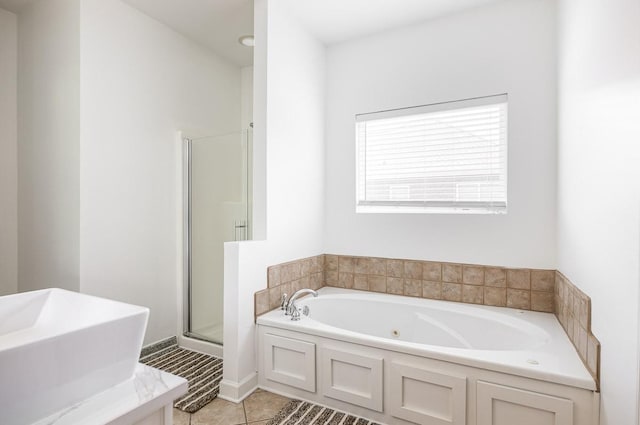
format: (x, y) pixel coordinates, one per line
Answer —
(217, 24)
(335, 21)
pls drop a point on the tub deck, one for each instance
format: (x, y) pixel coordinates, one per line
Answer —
(552, 358)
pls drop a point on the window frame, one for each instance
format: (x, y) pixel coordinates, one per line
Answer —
(435, 207)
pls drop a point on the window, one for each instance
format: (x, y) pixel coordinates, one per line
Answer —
(443, 158)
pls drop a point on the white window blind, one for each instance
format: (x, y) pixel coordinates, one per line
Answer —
(447, 157)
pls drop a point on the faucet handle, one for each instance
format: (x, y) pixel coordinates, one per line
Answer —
(295, 314)
(283, 302)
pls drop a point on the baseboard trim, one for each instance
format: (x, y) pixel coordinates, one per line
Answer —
(200, 346)
(158, 345)
(238, 391)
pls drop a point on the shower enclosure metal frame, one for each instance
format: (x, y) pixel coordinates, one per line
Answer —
(186, 240)
(241, 231)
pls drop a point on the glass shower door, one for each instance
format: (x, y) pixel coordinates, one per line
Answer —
(217, 212)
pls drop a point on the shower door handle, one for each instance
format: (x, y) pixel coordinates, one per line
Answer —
(240, 228)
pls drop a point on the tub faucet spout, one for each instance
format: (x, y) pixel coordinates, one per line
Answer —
(291, 308)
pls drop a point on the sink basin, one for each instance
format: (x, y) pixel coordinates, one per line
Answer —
(59, 347)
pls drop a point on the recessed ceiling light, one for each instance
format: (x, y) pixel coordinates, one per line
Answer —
(246, 40)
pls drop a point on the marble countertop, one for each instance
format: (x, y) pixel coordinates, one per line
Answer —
(128, 402)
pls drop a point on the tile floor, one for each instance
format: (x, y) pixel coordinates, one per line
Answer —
(257, 409)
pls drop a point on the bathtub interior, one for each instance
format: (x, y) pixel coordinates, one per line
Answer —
(439, 324)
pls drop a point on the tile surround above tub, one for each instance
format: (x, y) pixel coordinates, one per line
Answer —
(526, 289)
(573, 309)
(287, 278)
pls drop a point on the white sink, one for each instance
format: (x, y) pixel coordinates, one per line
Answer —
(59, 347)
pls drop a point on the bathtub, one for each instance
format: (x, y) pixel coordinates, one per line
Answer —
(58, 348)
(524, 349)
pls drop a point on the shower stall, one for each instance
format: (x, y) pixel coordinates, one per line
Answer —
(217, 209)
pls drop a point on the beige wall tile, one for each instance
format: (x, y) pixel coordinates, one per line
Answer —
(273, 276)
(495, 296)
(577, 297)
(361, 265)
(360, 282)
(262, 303)
(345, 280)
(451, 291)
(473, 275)
(518, 279)
(585, 313)
(582, 342)
(395, 268)
(472, 294)
(413, 287)
(432, 289)
(316, 280)
(495, 276)
(431, 271)
(395, 285)
(570, 326)
(576, 331)
(295, 285)
(286, 288)
(331, 278)
(331, 262)
(451, 273)
(543, 280)
(413, 269)
(593, 347)
(274, 297)
(305, 266)
(290, 271)
(346, 264)
(542, 301)
(317, 264)
(377, 283)
(518, 298)
(377, 266)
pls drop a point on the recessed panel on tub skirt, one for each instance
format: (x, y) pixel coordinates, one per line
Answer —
(290, 361)
(502, 405)
(427, 397)
(352, 377)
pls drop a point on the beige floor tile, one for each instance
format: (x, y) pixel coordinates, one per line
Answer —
(180, 417)
(263, 405)
(219, 412)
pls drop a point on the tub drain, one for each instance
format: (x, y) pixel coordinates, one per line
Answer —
(395, 333)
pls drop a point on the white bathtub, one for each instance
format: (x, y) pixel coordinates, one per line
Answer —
(58, 348)
(525, 343)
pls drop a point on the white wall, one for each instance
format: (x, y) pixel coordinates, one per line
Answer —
(8, 153)
(288, 155)
(141, 81)
(599, 183)
(506, 47)
(294, 139)
(48, 148)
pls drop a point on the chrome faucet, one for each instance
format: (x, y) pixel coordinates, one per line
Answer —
(291, 309)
